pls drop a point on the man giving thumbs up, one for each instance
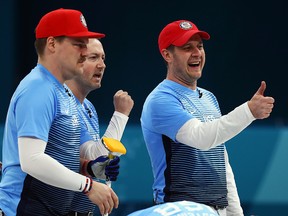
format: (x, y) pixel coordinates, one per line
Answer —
(184, 130)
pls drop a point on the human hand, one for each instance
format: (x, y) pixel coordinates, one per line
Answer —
(261, 106)
(123, 102)
(103, 168)
(112, 168)
(104, 197)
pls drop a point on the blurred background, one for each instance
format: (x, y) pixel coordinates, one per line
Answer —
(248, 44)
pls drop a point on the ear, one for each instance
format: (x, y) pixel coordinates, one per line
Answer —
(167, 55)
(50, 43)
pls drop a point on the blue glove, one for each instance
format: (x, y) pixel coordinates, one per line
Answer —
(104, 168)
(112, 169)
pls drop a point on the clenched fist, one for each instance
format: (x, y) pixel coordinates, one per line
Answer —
(123, 102)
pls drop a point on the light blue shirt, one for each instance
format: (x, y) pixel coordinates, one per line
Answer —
(40, 107)
(89, 117)
(182, 172)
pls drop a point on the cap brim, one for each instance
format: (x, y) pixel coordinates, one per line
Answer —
(87, 34)
(182, 40)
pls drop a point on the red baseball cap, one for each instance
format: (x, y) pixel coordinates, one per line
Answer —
(178, 33)
(64, 22)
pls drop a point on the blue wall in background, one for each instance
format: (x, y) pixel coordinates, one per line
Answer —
(244, 48)
(258, 157)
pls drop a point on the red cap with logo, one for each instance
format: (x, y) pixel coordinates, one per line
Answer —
(178, 33)
(64, 22)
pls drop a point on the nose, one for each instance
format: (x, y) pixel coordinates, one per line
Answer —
(101, 64)
(196, 52)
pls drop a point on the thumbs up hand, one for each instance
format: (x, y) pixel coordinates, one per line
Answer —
(261, 106)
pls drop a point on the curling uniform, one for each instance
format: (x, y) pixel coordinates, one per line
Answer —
(42, 109)
(88, 115)
(182, 172)
(115, 129)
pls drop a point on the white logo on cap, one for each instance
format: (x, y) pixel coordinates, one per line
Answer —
(185, 25)
(83, 21)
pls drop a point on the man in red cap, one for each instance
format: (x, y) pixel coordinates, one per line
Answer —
(184, 130)
(43, 131)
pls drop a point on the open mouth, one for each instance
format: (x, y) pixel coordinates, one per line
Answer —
(97, 76)
(194, 64)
